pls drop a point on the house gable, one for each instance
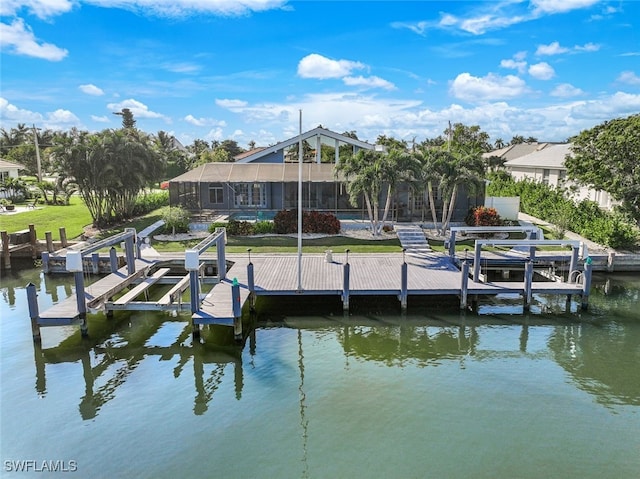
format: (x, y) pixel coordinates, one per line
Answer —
(275, 153)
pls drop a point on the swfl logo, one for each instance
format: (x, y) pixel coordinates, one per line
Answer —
(31, 465)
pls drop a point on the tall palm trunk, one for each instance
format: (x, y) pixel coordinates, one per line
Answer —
(451, 204)
(387, 205)
(432, 207)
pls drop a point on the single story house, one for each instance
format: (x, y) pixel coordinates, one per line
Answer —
(266, 180)
(546, 164)
(8, 170)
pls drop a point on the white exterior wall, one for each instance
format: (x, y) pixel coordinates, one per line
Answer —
(580, 193)
(506, 206)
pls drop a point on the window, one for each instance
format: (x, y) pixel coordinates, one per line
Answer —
(562, 175)
(545, 176)
(250, 194)
(216, 195)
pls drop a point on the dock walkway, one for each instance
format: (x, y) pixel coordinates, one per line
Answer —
(369, 274)
(66, 312)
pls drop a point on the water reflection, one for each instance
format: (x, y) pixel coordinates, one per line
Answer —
(599, 349)
(600, 358)
(108, 365)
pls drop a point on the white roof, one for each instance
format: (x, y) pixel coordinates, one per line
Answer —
(552, 156)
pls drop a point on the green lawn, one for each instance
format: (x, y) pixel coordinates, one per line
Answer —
(76, 216)
(286, 244)
(73, 217)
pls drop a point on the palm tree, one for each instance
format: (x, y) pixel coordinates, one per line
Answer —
(432, 161)
(370, 174)
(464, 169)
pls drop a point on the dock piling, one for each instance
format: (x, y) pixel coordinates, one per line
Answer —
(528, 280)
(251, 283)
(465, 285)
(5, 250)
(44, 256)
(113, 259)
(63, 237)
(346, 271)
(403, 283)
(237, 310)
(34, 314)
(586, 282)
(49, 239)
(33, 238)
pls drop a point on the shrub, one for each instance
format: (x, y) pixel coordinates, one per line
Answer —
(263, 227)
(240, 228)
(484, 216)
(585, 218)
(286, 222)
(150, 201)
(176, 219)
(213, 226)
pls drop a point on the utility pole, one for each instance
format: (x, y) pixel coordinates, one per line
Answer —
(38, 163)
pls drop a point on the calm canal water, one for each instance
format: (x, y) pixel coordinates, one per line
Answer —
(314, 394)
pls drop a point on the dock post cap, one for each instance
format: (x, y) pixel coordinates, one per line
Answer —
(235, 282)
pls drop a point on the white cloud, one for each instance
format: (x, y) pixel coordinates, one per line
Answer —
(542, 71)
(495, 15)
(231, 104)
(483, 23)
(139, 110)
(204, 121)
(18, 39)
(560, 6)
(91, 89)
(57, 120)
(182, 67)
(629, 78)
(101, 119)
(491, 87)
(61, 116)
(11, 112)
(566, 90)
(369, 82)
(587, 47)
(521, 66)
(182, 8)
(618, 104)
(553, 48)
(40, 8)
(317, 66)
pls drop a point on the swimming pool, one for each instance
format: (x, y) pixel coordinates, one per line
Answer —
(269, 215)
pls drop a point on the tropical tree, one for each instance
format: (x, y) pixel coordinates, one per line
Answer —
(370, 174)
(462, 169)
(128, 121)
(110, 169)
(431, 161)
(606, 157)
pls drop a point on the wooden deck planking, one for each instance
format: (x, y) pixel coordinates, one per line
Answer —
(66, 311)
(143, 286)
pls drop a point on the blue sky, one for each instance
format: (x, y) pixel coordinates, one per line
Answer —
(242, 70)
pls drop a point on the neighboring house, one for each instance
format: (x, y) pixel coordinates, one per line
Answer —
(546, 164)
(266, 179)
(8, 170)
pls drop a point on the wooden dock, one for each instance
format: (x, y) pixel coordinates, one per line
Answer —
(244, 277)
(368, 274)
(66, 312)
